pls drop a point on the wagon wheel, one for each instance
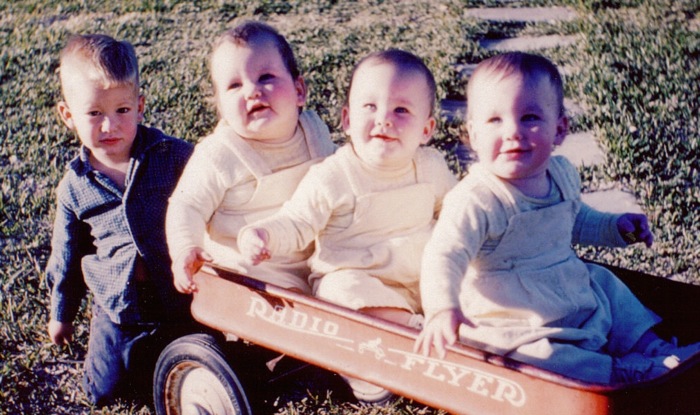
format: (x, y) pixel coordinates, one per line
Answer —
(193, 377)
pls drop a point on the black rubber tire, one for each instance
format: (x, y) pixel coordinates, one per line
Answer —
(193, 377)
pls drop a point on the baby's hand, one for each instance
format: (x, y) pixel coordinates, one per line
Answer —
(253, 245)
(634, 228)
(60, 333)
(185, 266)
(440, 331)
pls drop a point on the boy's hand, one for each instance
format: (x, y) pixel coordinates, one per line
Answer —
(634, 228)
(440, 331)
(253, 245)
(60, 333)
(186, 266)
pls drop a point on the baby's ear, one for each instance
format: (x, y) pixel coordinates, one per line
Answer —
(345, 119)
(300, 86)
(66, 115)
(428, 130)
(562, 130)
(467, 130)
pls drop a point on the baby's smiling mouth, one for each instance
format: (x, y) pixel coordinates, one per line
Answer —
(383, 137)
(256, 108)
(515, 150)
(515, 153)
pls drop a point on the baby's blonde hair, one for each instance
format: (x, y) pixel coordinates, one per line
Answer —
(253, 31)
(530, 66)
(109, 61)
(405, 62)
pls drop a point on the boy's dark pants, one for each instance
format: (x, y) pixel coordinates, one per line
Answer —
(121, 358)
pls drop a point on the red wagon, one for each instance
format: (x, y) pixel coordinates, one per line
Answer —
(197, 375)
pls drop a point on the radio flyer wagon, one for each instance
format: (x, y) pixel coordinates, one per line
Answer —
(199, 373)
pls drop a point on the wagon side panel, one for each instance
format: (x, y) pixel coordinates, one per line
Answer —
(465, 382)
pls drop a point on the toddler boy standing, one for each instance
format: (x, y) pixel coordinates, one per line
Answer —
(108, 232)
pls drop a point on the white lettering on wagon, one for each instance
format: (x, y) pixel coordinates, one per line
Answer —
(474, 380)
(290, 318)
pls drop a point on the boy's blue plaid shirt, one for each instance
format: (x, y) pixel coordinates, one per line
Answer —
(100, 230)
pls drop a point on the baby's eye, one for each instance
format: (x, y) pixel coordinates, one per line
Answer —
(266, 77)
(401, 110)
(123, 110)
(494, 120)
(93, 113)
(371, 107)
(234, 85)
(530, 117)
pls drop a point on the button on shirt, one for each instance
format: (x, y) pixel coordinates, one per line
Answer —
(101, 233)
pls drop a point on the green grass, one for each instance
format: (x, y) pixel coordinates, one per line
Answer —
(637, 74)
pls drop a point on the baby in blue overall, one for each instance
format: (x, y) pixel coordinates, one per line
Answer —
(499, 270)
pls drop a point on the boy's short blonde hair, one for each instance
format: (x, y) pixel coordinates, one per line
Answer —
(404, 61)
(253, 31)
(107, 60)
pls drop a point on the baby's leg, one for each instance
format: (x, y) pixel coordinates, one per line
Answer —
(396, 315)
(566, 359)
(631, 320)
(590, 366)
(651, 345)
(358, 290)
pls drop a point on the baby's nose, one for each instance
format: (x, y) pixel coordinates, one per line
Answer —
(252, 91)
(383, 120)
